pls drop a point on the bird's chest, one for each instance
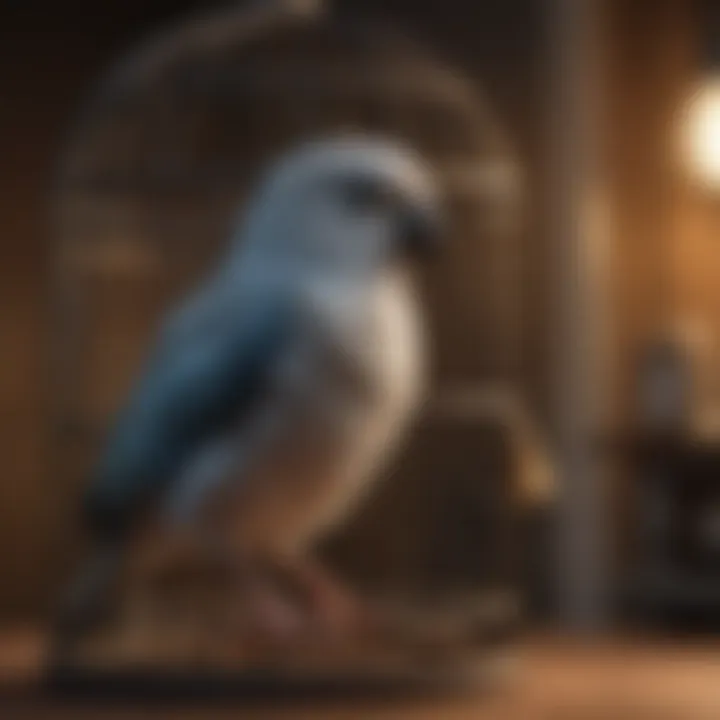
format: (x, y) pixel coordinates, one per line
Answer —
(375, 351)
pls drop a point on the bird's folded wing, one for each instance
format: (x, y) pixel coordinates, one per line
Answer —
(195, 384)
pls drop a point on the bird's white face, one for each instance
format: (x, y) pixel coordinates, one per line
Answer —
(347, 207)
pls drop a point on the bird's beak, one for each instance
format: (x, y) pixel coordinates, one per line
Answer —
(421, 231)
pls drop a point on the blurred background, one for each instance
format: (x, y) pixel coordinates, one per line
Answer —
(575, 417)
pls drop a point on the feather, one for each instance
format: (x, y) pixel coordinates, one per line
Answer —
(196, 384)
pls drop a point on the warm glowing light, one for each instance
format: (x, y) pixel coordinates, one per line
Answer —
(703, 133)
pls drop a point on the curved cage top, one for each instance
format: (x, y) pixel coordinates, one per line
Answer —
(160, 161)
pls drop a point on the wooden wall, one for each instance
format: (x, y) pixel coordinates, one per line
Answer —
(666, 251)
(47, 62)
(650, 65)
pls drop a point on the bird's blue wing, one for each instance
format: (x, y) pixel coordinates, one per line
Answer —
(195, 385)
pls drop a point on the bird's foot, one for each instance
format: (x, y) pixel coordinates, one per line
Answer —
(321, 603)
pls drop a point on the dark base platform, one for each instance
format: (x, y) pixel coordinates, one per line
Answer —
(431, 651)
(271, 685)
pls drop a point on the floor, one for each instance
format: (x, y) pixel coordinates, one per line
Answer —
(549, 679)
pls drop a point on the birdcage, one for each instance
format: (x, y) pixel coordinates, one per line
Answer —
(150, 183)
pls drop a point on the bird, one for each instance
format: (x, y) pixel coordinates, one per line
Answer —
(276, 392)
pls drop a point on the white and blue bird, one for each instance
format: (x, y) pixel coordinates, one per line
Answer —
(275, 394)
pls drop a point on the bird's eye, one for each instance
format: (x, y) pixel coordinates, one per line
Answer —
(363, 194)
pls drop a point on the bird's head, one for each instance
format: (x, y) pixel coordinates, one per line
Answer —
(348, 206)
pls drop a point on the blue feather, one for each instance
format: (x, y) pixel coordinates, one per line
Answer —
(193, 388)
